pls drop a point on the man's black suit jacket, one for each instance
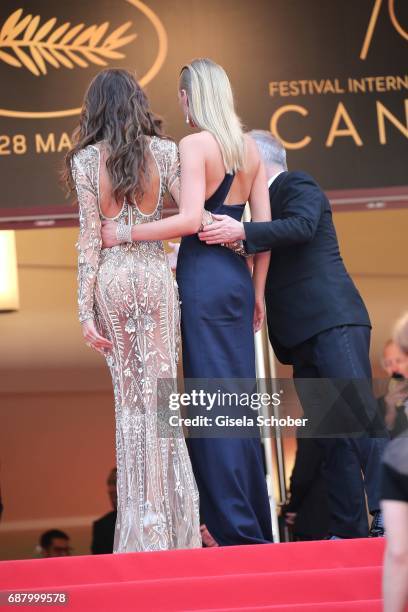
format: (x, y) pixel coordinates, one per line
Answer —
(308, 289)
(103, 532)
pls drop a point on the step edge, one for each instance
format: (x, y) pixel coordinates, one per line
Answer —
(292, 574)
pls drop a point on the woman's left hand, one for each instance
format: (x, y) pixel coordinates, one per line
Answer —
(172, 255)
(259, 313)
(108, 234)
(93, 338)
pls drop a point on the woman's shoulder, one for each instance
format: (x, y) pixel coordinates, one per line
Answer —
(85, 162)
(201, 136)
(252, 157)
(163, 144)
(87, 154)
(165, 151)
(250, 142)
(203, 141)
(251, 149)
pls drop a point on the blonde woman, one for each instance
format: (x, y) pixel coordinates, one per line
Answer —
(221, 304)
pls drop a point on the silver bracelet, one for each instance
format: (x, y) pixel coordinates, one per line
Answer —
(123, 232)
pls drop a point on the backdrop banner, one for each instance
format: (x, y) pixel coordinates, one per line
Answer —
(329, 78)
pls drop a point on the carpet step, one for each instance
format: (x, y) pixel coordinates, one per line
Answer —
(223, 561)
(367, 605)
(230, 591)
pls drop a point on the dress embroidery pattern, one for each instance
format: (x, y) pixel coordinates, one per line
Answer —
(130, 292)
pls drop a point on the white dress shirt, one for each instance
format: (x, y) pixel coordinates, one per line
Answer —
(274, 177)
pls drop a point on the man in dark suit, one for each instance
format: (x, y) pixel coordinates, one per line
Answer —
(317, 321)
(307, 512)
(103, 529)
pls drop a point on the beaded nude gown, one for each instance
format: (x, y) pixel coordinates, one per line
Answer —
(130, 292)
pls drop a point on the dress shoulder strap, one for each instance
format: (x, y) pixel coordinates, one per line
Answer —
(222, 190)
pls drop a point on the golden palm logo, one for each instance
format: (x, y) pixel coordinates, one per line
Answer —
(35, 45)
(32, 45)
(373, 22)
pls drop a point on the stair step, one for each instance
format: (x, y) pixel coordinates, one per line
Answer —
(367, 605)
(222, 561)
(231, 591)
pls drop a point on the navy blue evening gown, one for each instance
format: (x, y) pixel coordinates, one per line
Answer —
(217, 306)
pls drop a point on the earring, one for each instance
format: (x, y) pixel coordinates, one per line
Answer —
(187, 119)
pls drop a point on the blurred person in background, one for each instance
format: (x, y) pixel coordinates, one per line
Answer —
(55, 543)
(395, 506)
(394, 405)
(401, 333)
(103, 529)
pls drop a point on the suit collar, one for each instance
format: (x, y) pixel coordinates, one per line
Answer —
(274, 186)
(274, 177)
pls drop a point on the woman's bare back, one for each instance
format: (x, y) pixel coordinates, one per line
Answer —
(150, 187)
(215, 169)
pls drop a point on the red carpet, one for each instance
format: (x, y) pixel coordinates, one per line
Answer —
(340, 576)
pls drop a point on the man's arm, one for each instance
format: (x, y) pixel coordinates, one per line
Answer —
(302, 208)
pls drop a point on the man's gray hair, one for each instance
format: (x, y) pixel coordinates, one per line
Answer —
(270, 148)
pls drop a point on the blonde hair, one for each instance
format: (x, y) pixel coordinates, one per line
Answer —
(400, 335)
(211, 108)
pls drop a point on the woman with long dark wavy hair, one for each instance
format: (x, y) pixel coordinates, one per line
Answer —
(121, 166)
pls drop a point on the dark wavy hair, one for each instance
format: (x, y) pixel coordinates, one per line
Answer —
(116, 110)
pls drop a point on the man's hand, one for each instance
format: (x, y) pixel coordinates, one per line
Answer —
(108, 233)
(225, 229)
